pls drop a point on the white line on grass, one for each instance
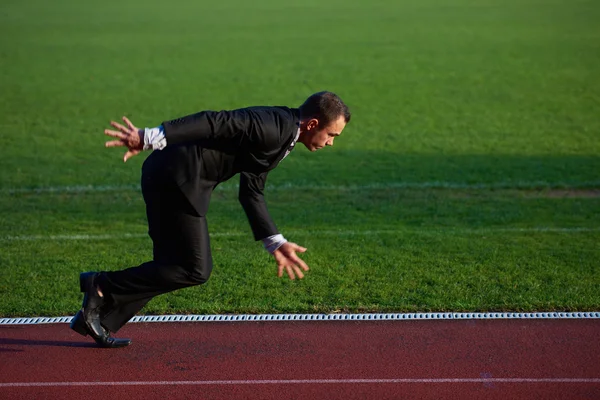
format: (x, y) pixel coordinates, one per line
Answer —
(301, 186)
(341, 232)
(307, 381)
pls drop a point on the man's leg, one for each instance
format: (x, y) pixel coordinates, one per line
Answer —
(182, 258)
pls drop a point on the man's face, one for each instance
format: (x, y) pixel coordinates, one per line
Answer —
(315, 136)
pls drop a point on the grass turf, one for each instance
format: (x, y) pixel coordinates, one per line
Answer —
(467, 117)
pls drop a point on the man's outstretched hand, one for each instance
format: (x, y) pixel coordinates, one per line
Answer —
(287, 259)
(130, 137)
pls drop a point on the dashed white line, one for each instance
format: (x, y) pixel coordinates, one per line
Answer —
(371, 317)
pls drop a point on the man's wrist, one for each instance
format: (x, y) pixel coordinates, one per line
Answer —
(142, 135)
(274, 242)
(154, 138)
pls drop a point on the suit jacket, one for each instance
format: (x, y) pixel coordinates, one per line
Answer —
(210, 147)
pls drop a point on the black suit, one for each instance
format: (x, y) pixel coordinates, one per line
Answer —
(203, 150)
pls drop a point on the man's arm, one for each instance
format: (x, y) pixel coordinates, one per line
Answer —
(225, 131)
(252, 199)
(219, 130)
(222, 130)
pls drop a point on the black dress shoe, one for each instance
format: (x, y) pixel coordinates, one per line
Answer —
(92, 302)
(79, 325)
(88, 319)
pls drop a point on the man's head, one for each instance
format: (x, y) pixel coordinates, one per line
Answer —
(323, 116)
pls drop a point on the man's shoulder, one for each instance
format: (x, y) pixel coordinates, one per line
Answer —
(276, 121)
(275, 111)
(270, 128)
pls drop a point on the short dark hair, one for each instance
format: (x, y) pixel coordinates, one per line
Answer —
(324, 106)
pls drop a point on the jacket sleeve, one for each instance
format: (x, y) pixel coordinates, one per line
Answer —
(219, 130)
(252, 199)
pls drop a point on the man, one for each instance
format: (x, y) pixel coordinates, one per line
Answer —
(192, 156)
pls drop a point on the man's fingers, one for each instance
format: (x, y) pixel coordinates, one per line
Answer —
(128, 122)
(291, 262)
(298, 272)
(114, 143)
(290, 273)
(119, 126)
(304, 265)
(300, 262)
(298, 248)
(124, 134)
(116, 134)
(130, 154)
(288, 270)
(291, 270)
(293, 258)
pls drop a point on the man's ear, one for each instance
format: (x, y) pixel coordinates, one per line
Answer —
(312, 124)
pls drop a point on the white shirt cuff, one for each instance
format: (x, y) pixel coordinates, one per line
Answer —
(274, 242)
(154, 138)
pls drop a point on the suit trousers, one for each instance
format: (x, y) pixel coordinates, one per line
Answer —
(182, 256)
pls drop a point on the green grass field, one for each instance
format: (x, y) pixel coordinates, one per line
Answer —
(468, 178)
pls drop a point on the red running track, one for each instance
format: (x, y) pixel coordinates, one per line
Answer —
(462, 359)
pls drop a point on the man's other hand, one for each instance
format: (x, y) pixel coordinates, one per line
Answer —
(287, 259)
(130, 137)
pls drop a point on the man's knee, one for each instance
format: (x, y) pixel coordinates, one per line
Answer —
(199, 270)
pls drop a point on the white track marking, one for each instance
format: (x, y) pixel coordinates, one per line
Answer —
(553, 315)
(300, 186)
(341, 232)
(33, 238)
(306, 381)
